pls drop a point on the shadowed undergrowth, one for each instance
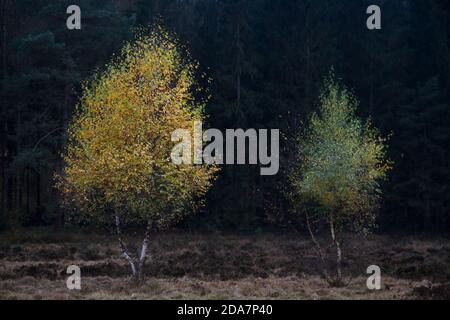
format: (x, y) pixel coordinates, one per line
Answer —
(33, 266)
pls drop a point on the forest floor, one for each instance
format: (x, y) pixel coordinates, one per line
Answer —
(33, 265)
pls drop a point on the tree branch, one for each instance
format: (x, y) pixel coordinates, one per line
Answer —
(318, 249)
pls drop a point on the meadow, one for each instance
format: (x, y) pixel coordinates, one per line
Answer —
(183, 265)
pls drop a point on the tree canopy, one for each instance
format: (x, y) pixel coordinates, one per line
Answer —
(341, 159)
(119, 144)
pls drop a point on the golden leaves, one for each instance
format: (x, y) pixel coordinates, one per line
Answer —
(119, 141)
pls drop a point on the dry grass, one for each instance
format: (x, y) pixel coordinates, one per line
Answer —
(199, 266)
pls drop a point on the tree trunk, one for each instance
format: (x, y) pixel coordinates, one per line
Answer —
(338, 254)
(143, 256)
(38, 195)
(10, 193)
(137, 265)
(3, 165)
(3, 129)
(123, 247)
(27, 206)
(65, 120)
(428, 225)
(318, 250)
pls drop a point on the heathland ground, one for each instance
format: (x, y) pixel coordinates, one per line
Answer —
(185, 265)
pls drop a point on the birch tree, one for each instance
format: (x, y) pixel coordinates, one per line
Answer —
(336, 179)
(118, 169)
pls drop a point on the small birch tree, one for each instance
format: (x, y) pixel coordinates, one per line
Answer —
(341, 162)
(118, 169)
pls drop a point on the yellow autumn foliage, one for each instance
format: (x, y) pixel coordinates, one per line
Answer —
(118, 152)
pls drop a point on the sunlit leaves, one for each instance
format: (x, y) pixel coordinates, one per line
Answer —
(341, 160)
(118, 155)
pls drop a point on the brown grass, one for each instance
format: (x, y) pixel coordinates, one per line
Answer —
(205, 266)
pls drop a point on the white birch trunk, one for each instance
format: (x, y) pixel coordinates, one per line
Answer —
(338, 253)
(143, 255)
(124, 249)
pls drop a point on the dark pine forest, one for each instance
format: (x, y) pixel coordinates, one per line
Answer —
(266, 59)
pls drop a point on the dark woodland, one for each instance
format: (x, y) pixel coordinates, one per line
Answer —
(76, 155)
(266, 59)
